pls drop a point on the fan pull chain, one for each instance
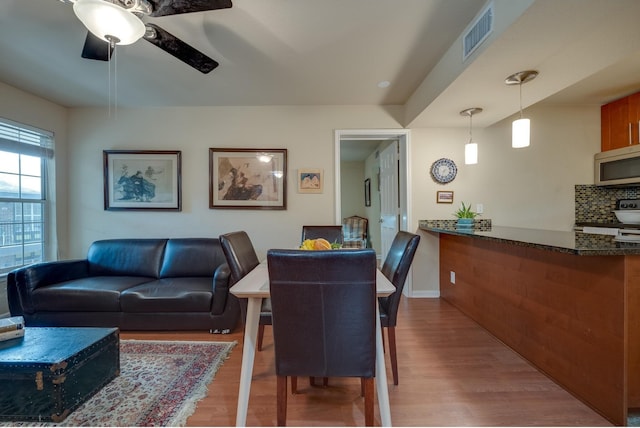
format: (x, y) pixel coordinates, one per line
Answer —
(109, 75)
(115, 84)
(112, 41)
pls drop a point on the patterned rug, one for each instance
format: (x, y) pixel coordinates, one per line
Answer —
(160, 384)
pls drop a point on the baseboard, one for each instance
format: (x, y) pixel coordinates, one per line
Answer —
(425, 294)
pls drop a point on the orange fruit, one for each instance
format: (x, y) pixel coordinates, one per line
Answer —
(321, 244)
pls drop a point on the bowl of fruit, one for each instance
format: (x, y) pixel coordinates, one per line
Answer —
(319, 244)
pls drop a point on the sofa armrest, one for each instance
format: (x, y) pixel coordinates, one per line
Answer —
(221, 278)
(23, 281)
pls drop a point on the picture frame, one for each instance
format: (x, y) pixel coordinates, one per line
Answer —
(310, 180)
(444, 197)
(248, 179)
(149, 180)
(367, 192)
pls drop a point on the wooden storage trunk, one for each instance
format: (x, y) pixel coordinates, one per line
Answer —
(52, 370)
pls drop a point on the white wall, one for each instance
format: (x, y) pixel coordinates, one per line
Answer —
(351, 193)
(306, 132)
(530, 187)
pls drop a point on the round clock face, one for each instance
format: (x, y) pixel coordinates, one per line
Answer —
(444, 170)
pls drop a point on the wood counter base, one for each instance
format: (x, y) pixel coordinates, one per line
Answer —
(576, 318)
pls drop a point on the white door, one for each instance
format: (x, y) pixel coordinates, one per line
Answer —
(389, 202)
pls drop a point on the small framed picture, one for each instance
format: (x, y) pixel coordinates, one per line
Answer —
(310, 180)
(444, 197)
(367, 192)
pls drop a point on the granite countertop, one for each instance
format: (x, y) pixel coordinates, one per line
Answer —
(573, 242)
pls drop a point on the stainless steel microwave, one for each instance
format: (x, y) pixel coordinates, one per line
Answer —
(618, 167)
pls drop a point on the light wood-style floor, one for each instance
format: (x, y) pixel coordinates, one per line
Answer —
(452, 373)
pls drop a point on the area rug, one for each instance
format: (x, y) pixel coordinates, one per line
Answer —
(160, 384)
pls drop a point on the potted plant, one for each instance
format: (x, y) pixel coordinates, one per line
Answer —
(465, 215)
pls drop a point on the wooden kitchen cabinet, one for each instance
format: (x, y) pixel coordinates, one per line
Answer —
(620, 126)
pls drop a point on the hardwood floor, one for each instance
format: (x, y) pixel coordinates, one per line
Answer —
(452, 373)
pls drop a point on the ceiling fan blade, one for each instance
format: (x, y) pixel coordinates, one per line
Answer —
(96, 48)
(179, 49)
(174, 7)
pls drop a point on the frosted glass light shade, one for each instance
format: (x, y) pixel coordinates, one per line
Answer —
(520, 136)
(107, 19)
(471, 153)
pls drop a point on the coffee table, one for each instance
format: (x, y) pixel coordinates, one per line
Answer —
(51, 371)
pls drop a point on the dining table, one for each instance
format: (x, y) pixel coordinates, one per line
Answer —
(255, 286)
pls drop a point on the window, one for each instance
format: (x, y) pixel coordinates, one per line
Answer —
(24, 152)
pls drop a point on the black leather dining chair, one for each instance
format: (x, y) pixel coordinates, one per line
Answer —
(396, 267)
(329, 232)
(324, 315)
(242, 259)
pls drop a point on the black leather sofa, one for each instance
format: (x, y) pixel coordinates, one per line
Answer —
(133, 284)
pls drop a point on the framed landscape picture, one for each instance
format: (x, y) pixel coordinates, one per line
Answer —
(248, 179)
(142, 180)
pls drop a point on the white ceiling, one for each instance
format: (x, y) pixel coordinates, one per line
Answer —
(334, 52)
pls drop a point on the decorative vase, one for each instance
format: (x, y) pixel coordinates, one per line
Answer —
(465, 223)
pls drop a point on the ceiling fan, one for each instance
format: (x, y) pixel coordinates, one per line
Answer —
(113, 22)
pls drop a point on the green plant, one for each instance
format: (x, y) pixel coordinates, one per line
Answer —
(465, 212)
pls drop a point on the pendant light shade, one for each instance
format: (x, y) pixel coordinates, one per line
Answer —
(520, 133)
(471, 153)
(521, 128)
(109, 21)
(471, 148)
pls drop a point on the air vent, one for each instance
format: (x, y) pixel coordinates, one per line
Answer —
(478, 31)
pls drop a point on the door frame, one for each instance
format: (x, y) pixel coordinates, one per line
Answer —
(404, 174)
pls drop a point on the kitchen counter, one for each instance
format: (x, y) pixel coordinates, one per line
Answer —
(574, 317)
(574, 242)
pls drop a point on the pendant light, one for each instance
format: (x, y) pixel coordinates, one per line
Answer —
(520, 131)
(471, 148)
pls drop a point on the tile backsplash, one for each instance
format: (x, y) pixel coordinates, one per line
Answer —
(595, 204)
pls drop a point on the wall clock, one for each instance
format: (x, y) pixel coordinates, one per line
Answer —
(444, 170)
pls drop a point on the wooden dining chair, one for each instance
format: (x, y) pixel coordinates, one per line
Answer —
(242, 259)
(330, 232)
(324, 315)
(395, 268)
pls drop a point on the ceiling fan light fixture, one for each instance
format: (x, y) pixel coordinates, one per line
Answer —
(109, 21)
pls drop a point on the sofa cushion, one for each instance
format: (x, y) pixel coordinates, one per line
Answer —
(169, 295)
(97, 294)
(130, 257)
(185, 257)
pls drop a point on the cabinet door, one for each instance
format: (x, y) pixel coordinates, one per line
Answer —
(615, 124)
(634, 117)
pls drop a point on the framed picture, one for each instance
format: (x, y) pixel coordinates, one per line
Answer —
(444, 197)
(142, 180)
(310, 181)
(248, 179)
(367, 192)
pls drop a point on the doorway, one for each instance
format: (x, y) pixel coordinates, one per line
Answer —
(367, 142)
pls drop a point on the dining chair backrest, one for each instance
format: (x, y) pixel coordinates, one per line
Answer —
(396, 267)
(330, 232)
(240, 254)
(324, 312)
